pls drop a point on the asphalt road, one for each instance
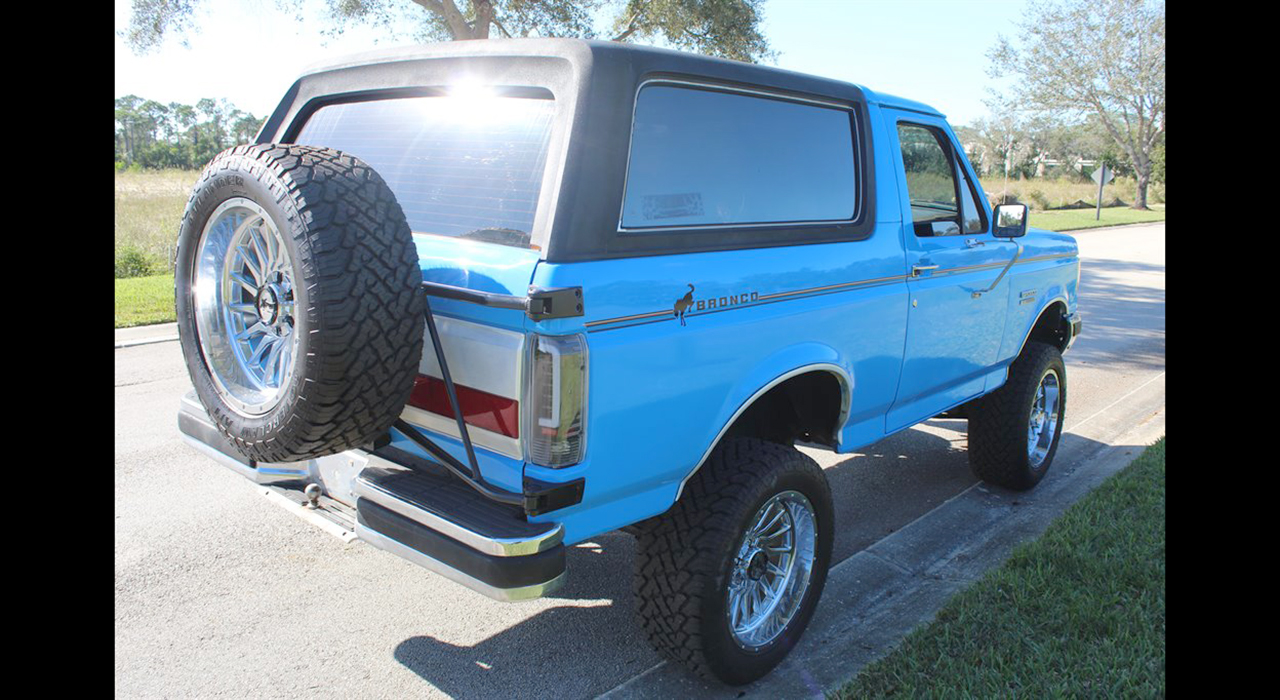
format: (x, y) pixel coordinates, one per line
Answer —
(218, 592)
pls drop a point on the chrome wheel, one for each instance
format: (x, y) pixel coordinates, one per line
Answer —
(243, 293)
(1043, 425)
(772, 569)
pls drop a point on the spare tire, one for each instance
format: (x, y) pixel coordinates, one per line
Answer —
(299, 300)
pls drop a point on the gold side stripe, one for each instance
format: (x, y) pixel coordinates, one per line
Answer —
(859, 283)
(627, 318)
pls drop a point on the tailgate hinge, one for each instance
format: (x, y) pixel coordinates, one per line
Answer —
(562, 302)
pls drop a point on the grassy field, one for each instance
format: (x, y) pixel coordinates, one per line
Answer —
(1078, 612)
(1075, 219)
(144, 300)
(1052, 194)
(149, 206)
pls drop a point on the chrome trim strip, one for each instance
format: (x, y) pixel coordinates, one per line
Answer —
(403, 551)
(503, 445)
(845, 380)
(498, 547)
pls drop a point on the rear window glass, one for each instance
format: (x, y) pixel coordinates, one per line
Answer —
(466, 166)
(709, 158)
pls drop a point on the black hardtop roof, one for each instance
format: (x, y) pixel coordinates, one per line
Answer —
(596, 84)
(585, 54)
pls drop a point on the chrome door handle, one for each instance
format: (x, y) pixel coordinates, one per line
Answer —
(917, 269)
(973, 243)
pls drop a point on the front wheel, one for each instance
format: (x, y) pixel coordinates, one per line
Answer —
(1014, 431)
(727, 580)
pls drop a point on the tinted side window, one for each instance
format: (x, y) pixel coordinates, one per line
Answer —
(931, 182)
(707, 158)
(975, 221)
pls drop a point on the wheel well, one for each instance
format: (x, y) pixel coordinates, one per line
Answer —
(1052, 327)
(805, 407)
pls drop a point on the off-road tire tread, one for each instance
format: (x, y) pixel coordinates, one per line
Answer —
(679, 552)
(998, 421)
(366, 306)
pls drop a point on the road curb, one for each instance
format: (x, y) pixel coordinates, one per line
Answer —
(146, 341)
(1104, 229)
(144, 335)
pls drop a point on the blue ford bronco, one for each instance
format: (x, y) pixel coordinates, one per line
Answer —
(478, 302)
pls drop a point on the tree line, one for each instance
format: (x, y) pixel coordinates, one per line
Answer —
(1089, 73)
(1100, 63)
(151, 134)
(1005, 142)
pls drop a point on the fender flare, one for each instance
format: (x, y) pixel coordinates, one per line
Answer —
(781, 367)
(1026, 335)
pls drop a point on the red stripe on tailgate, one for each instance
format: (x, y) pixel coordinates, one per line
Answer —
(481, 409)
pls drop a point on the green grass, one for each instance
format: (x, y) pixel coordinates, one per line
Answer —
(1078, 612)
(144, 300)
(1075, 219)
(148, 210)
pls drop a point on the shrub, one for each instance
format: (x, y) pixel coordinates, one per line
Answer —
(132, 262)
(1004, 197)
(1039, 199)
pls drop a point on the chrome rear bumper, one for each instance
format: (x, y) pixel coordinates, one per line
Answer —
(401, 505)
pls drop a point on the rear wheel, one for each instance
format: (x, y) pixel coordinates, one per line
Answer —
(727, 580)
(299, 305)
(1014, 431)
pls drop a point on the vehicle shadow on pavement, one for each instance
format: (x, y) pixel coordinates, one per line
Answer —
(578, 649)
(876, 490)
(1118, 315)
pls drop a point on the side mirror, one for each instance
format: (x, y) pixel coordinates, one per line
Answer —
(1011, 221)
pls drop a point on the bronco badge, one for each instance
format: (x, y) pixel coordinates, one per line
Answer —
(683, 304)
(687, 302)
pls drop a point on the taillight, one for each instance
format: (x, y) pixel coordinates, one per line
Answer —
(480, 409)
(556, 400)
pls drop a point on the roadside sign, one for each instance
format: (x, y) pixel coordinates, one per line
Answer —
(1101, 176)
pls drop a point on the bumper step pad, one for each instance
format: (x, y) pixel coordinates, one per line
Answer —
(442, 525)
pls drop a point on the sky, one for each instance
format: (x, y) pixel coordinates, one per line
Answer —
(934, 51)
